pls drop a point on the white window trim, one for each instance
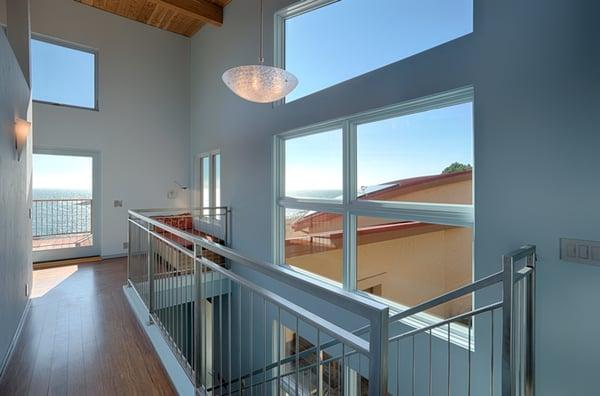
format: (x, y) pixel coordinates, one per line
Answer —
(198, 173)
(350, 207)
(76, 47)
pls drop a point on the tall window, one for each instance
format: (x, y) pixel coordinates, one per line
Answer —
(208, 180)
(325, 42)
(382, 202)
(63, 74)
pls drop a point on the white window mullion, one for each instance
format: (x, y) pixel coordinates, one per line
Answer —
(455, 215)
(278, 248)
(349, 245)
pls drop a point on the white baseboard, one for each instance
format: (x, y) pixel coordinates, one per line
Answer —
(178, 377)
(13, 342)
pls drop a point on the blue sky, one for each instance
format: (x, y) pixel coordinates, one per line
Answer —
(351, 37)
(62, 172)
(398, 148)
(62, 75)
(66, 76)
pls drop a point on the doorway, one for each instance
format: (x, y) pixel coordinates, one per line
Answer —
(65, 206)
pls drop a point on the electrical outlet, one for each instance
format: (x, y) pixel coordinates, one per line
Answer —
(118, 203)
(125, 245)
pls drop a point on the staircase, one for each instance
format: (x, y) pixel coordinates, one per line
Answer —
(234, 331)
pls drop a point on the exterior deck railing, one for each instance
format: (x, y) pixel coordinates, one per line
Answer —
(233, 336)
(61, 217)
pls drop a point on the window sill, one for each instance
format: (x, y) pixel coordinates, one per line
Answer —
(459, 333)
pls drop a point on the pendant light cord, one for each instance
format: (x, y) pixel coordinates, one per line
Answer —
(261, 57)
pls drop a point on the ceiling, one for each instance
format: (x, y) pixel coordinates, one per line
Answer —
(183, 17)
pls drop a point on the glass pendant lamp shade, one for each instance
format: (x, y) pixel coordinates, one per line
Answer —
(260, 83)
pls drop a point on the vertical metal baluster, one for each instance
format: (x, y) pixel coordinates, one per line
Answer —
(359, 385)
(297, 347)
(278, 350)
(319, 376)
(173, 302)
(150, 280)
(229, 333)
(522, 327)
(449, 346)
(492, 358)
(220, 334)
(430, 363)
(213, 326)
(188, 309)
(203, 325)
(264, 387)
(240, 337)
(177, 335)
(413, 364)
(329, 378)
(343, 369)
(251, 342)
(469, 356)
(397, 367)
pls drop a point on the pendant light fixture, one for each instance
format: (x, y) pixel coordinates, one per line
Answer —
(260, 83)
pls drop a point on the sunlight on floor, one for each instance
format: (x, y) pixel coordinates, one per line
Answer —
(45, 280)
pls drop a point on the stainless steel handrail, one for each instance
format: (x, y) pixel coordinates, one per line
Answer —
(363, 306)
(513, 352)
(376, 313)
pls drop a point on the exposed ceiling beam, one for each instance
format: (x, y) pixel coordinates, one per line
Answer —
(203, 10)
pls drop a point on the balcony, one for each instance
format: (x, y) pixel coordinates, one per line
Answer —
(61, 223)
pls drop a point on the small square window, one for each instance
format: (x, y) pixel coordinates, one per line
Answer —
(63, 75)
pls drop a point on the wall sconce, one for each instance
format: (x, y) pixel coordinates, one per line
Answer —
(22, 131)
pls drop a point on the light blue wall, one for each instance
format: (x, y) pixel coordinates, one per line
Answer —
(534, 66)
(15, 189)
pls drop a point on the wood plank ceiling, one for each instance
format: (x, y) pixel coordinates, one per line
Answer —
(183, 17)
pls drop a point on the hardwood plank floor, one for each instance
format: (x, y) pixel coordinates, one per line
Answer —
(81, 338)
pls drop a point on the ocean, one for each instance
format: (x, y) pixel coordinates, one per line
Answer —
(292, 214)
(61, 212)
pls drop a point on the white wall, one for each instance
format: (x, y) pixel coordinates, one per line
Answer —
(15, 186)
(142, 128)
(534, 66)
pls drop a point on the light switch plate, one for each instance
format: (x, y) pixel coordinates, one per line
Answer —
(580, 251)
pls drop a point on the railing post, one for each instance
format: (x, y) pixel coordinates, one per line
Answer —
(530, 363)
(508, 364)
(150, 278)
(198, 350)
(128, 251)
(378, 348)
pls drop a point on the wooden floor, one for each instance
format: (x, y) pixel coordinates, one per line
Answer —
(81, 338)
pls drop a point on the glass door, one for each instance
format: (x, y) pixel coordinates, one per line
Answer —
(65, 221)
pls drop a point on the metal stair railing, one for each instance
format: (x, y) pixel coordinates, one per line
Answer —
(227, 331)
(232, 332)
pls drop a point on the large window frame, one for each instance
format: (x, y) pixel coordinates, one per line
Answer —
(76, 47)
(279, 33)
(350, 207)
